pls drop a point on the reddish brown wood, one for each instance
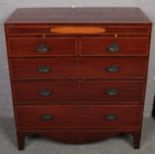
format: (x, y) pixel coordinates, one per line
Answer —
(39, 29)
(20, 140)
(78, 77)
(78, 116)
(84, 68)
(58, 68)
(78, 15)
(24, 47)
(128, 67)
(136, 139)
(129, 46)
(128, 91)
(131, 22)
(79, 136)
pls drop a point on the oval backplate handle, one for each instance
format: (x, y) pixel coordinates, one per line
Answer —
(78, 30)
(112, 68)
(42, 48)
(47, 117)
(111, 117)
(114, 48)
(112, 91)
(45, 92)
(44, 69)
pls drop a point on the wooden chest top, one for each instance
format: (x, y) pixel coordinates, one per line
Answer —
(78, 16)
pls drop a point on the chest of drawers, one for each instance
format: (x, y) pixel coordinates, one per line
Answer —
(78, 75)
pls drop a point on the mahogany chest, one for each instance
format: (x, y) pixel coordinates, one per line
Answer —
(78, 75)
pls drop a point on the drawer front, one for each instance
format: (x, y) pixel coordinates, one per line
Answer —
(75, 116)
(90, 68)
(113, 67)
(59, 90)
(43, 68)
(54, 46)
(108, 46)
(50, 30)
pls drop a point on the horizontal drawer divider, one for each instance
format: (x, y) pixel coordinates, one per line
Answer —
(83, 79)
(77, 129)
(77, 102)
(75, 56)
(29, 130)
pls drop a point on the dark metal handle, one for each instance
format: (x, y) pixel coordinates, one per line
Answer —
(42, 48)
(43, 69)
(45, 92)
(111, 117)
(112, 68)
(114, 47)
(112, 91)
(47, 117)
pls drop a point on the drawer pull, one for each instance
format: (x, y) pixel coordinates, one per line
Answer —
(47, 117)
(43, 69)
(112, 92)
(112, 68)
(113, 48)
(111, 117)
(45, 92)
(42, 48)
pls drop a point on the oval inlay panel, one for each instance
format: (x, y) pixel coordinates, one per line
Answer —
(78, 30)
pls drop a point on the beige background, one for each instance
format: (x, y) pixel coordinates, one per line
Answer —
(8, 6)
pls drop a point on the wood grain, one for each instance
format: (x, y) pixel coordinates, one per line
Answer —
(111, 15)
(83, 68)
(57, 46)
(78, 117)
(128, 91)
(129, 46)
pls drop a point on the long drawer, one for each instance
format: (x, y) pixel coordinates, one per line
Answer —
(53, 46)
(46, 30)
(61, 90)
(109, 46)
(75, 116)
(90, 68)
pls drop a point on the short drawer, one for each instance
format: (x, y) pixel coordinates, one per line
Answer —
(108, 46)
(59, 90)
(88, 68)
(53, 46)
(78, 116)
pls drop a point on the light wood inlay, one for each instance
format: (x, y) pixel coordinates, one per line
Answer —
(78, 30)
